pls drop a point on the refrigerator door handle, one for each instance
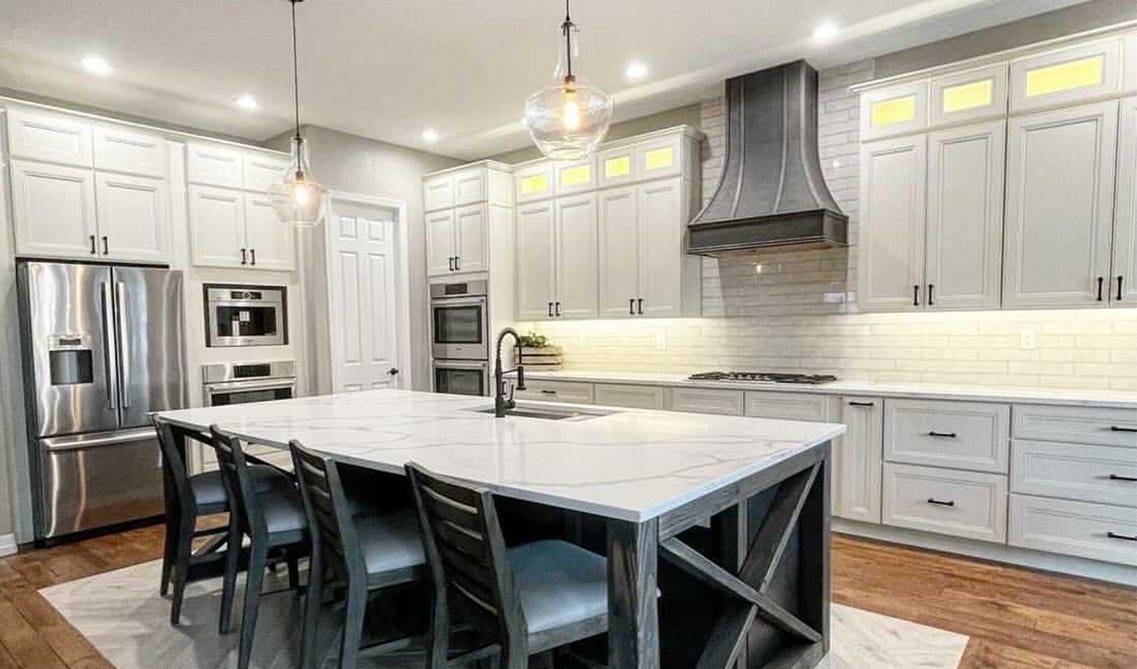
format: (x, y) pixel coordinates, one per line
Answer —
(85, 441)
(110, 359)
(123, 346)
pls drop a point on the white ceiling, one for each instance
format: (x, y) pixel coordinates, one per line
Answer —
(389, 68)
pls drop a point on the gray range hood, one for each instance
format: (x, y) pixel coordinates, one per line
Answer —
(772, 193)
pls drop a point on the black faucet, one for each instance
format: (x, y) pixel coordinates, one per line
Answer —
(500, 403)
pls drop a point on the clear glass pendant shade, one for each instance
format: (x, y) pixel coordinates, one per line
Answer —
(298, 198)
(570, 117)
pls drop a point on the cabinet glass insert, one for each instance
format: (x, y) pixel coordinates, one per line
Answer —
(573, 176)
(659, 158)
(534, 184)
(619, 166)
(1065, 76)
(891, 112)
(968, 96)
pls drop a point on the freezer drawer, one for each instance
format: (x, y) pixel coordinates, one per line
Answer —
(95, 480)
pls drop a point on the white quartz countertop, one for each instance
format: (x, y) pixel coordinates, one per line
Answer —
(1103, 398)
(631, 464)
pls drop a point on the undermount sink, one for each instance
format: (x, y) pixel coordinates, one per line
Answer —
(549, 413)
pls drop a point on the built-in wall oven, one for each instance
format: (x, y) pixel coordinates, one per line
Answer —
(458, 321)
(245, 315)
(461, 377)
(241, 383)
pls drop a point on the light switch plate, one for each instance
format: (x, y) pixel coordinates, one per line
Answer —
(1026, 340)
(661, 341)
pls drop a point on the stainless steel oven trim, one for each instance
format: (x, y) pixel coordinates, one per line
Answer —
(275, 299)
(483, 365)
(470, 351)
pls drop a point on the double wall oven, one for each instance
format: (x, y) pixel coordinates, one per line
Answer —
(459, 331)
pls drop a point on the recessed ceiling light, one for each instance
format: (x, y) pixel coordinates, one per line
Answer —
(430, 135)
(96, 65)
(246, 102)
(825, 31)
(635, 71)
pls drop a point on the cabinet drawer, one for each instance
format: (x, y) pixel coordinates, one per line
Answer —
(706, 400)
(788, 406)
(571, 392)
(130, 151)
(964, 504)
(262, 171)
(1106, 474)
(213, 165)
(50, 137)
(1087, 425)
(963, 435)
(630, 396)
(1094, 531)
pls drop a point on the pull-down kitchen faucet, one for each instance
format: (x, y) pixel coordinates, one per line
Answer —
(500, 403)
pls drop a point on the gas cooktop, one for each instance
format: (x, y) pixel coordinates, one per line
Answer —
(764, 377)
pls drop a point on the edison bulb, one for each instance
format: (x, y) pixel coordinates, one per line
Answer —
(300, 194)
(570, 114)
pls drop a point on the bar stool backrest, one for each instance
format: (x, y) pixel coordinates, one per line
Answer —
(238, 481)
(329, 514)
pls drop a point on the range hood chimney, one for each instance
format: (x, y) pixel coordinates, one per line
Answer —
(772, 193)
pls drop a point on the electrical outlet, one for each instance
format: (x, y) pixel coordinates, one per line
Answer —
(1026, 340)
(661, 341)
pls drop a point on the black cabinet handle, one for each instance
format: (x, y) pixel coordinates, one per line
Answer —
(862, 404)
(631, 306)
(546, 391)
(1101, 282)
(916, 296)
(457, 263)
(949, 435)
(930, 288)
(550, 310)
(1118, 428)
(244, 257)
(1119, 477)
(106, 248)
(1126, 537)
(937, 502)
(253, 255)
(558, 309)
(450, 263)
(640, 305)
(94, 250)
(1119, 279)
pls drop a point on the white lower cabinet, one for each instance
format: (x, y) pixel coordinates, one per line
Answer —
(947, 501)
(1104, 474)
(570, 392)
(1094, 531)
(789, 406)
(53, 210)
(133, 217)
(630, 396)
(857, 460)
(707, 400)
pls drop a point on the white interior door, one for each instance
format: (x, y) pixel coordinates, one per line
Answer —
(364, 274)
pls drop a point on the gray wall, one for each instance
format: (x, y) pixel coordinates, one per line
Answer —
(359, 165)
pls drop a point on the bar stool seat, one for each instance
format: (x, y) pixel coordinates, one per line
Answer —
(391, 544)
(209, 489)
(558, 583)
(284, 514)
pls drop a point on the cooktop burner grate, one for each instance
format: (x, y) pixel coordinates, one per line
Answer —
(764, 377)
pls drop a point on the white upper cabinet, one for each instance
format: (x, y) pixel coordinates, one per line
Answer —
(471, 243)
(1129, 68)
(438, 193)
(660, 249)
(461, 204)
(575, 257)
(214, 165)
(892, 224)
(483, 182)
(49, 137)
(130, 151)
(964, 241)
(575, 176)
(1123, 289)
(440, 243)
(897, 110)
(969, 96)
(616, 166)
(534, 181)
(1059, 207)
(536, 241)
(1066, 76)
(660, 157)
(619, 251)
(53, 208)
(269, 240)
(261, 171)
(217, 227)
(133, 217)
(469, 187)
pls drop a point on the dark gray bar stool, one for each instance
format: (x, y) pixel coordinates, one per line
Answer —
(366, 551)
(188, 498)
(524, 600)
(273, 520)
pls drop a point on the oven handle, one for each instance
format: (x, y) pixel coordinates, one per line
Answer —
(229, 386)
(442, 302)
(482, 365)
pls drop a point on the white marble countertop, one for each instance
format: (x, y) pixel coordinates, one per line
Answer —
(1103, 398)
(631, 464)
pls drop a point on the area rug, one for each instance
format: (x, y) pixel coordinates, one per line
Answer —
(121, 614)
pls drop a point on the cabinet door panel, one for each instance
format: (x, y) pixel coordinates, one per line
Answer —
(130, 151)
(51, 137)
(438, 193)
(262, 171)
(270, 240)
(534, 181)
(214, 165)
(217, 226)
(964, 246)
(470, 186)
(857, 460)
(892, 224)
(1123, 290)
(440, 250)
(133, 217)
(576, 288)
(53, 208)
(1066, 76)
(535, 242)
(619, 253)
(470, 247)
(1060, 168)
(661, 220)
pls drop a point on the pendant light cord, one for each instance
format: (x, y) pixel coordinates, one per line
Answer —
(566, 28)
(296, 71)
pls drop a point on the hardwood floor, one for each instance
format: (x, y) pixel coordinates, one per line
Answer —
(1016, 618)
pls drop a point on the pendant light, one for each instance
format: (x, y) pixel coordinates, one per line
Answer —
(298, 198)
(570, 117)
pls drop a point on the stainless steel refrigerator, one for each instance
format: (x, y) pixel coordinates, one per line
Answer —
(102, 349)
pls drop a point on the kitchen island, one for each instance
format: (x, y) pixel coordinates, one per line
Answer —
(738, 506)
